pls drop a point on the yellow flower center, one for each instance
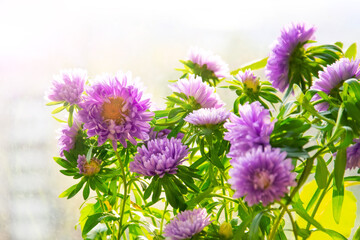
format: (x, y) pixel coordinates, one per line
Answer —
(252, 84)
(113, 110)
(91, 168)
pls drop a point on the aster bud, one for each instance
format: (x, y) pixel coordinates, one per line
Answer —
(225, 231)
(88, 169)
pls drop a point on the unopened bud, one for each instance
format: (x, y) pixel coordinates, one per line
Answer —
(225, 230)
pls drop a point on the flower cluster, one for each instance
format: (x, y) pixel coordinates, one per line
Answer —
(158, 157)
(186, 224)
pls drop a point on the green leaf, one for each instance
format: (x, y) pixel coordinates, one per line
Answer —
(70, 119)
(91, 222)
(254, 227)
(357, 234)
(89, 154)
(253, 66)
(63, 163)
(86, 191)
(156, 191)
(67, 191)
(175, 111)
(337, 202)
(59, 109)
(77, 188)
(59, 120)
(54, 103)
(351, 51)
(99, 184)
(339, 168)
(321, 173)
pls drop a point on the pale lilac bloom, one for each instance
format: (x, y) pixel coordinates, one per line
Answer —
(261, 175)
(213, 62)
(277, 68)
(158, 157)
(115, 109)
(68, 135)
(200, 94)
(332, 77)
(68, 86)
(207, 116)
(251, 130)
(186, 224)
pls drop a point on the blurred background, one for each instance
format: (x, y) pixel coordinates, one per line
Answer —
(41, 37)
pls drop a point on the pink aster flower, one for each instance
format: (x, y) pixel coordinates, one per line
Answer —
(114, 109)
(251, 130)
(186, 224)
(207, 116)
(199, 93)
(332, 77)
(68, 86)
(158, 157)
(261, 175)
(207, 59)
(68, 136)
(292, 39)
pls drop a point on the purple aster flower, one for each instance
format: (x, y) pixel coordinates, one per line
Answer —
(249, 80)
(213, 62)
(199, 93)
(160, 156)
(88, 169)
(162, 134)
(115, 109)
(68, 136)
(332, 77)
(207, 116)
(186, 224)
(68, 86)
(278, 64)
(250, 130)
(261, 175)
(353, 155)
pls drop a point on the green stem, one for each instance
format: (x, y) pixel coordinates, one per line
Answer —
(145, 202)
(276, 224)
(122, 210)
(225, 202)
(102, 207)
(304, 175)
(291, 220)
(163, 217)
(320, 199)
